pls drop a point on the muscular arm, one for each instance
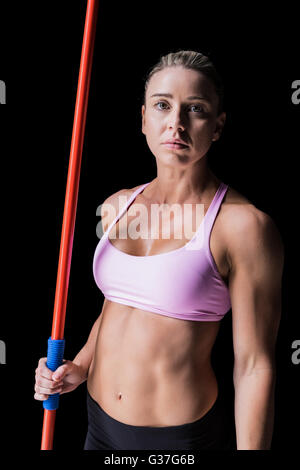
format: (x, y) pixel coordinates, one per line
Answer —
(256, 257)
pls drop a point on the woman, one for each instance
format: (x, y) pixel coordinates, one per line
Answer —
(147, 359)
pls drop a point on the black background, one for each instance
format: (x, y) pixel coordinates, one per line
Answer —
(256, 54)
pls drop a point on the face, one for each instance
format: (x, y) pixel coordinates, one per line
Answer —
(184, 107)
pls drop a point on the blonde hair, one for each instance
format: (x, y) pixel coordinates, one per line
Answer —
(189, 60)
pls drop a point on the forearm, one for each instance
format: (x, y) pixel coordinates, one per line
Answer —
(254, 408)
(85, 355)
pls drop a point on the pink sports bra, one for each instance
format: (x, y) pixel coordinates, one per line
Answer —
(183, 283)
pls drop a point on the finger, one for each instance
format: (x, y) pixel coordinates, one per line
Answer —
(47, 391)
(46, 383)
(43, 370)
(40, 396)
(61, 372)
(43, 374)
(42, 361)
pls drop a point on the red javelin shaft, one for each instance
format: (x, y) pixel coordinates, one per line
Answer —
(71, 197)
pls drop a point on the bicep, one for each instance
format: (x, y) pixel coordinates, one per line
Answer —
(255, 291)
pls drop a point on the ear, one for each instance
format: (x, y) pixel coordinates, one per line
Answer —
(220, 122)
(143, 119)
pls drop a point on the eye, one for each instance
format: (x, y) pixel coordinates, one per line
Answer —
(199, 107)
(162, 105)
(159, 103)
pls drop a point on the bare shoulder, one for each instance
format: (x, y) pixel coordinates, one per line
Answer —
(248, 230)
(115, 198)
(113, 204)
(239, 213)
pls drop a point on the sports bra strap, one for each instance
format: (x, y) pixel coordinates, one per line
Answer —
(132, 197)
(214, 208)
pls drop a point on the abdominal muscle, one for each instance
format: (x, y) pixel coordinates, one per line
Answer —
(152, 370)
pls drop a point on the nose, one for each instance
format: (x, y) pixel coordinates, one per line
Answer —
(176, 121)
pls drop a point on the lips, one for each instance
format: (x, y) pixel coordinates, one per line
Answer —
(176, 141)
(175, 144)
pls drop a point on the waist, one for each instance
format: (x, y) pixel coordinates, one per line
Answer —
(210, 431)
(149, 394)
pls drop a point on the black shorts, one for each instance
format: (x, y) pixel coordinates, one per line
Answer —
(213, 431)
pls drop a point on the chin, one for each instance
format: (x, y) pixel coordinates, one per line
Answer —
(173, 157)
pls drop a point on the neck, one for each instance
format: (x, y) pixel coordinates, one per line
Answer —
(173, 186)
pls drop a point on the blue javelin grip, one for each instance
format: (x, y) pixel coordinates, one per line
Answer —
(55, 355)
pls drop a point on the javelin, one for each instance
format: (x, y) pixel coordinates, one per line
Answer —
(56, 342)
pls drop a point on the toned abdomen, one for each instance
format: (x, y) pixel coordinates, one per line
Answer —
(152, 370)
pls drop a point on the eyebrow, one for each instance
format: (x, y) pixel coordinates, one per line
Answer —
(189, 97)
